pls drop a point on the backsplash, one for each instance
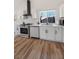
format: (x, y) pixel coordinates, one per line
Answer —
(20, 20)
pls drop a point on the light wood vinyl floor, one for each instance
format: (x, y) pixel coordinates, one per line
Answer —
(25, 48)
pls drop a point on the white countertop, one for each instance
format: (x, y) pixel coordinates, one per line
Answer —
(37, 25)
(54, 25)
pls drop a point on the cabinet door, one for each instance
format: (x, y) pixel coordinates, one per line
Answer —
(62, 34)
(58, 34)
(34, 31)
(42, 32)
(50, 34)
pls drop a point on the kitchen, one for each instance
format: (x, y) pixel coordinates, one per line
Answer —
(39, 19)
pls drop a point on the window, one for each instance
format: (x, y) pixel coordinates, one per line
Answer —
(48, 16)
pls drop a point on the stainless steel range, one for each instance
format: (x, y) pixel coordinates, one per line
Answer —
(25, 29)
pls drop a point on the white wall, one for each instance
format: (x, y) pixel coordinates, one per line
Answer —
(19, 7)
(61, 10)
(36, 6)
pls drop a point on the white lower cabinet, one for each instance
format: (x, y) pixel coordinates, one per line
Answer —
(42, 32)
(52, 33)
(16, 30)
(34, 31)
(62, 34)
(47, 33)
(59, 34)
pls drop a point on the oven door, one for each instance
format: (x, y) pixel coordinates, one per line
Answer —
(24, 30)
